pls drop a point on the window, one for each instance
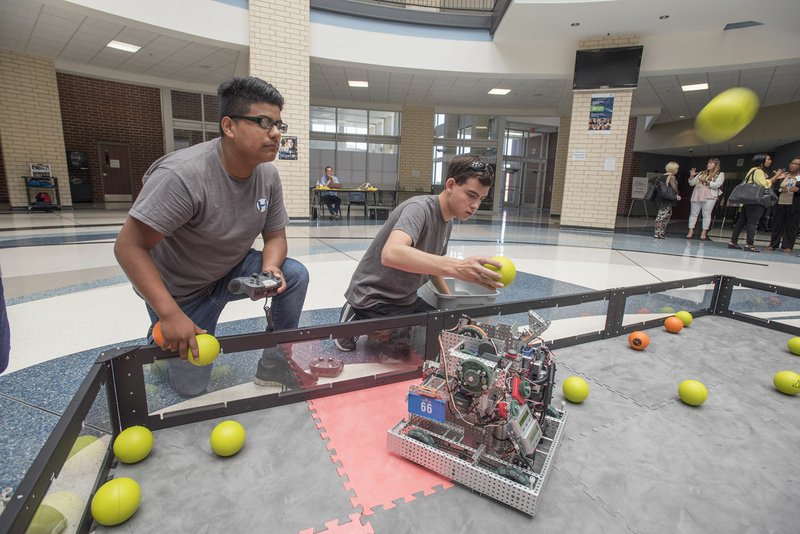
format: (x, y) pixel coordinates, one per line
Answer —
(361, 145)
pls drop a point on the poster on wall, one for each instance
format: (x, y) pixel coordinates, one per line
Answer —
(600, 112)
(288, 148)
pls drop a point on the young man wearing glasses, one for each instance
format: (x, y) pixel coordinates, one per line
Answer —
(410, 249)
(191, 229)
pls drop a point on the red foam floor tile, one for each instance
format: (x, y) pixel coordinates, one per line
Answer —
(356, 424)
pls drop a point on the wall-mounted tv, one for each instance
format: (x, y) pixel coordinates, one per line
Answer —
(603, 68)
(77, 159)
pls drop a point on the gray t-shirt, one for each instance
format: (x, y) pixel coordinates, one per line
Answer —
(373, 283)
(209, 219)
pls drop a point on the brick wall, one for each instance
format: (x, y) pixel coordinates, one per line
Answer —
(94, 111)
(283, 61)
(630, 168)
(591, 194)
(416, 151)
(30, 122)
(3, 183)
(560, 170)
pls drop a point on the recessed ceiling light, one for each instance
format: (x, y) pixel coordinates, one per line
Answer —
(739, 146)
(663, 17)
(575, 24)
(694, 87)
(497, 91)
(355, 83)
(119, 45)
(481, 127)
(681, 116)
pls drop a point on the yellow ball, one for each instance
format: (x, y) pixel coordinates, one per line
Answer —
(685, 317)
(575, 389)
(726, 114)
(116, 501)
(208, 348)
(692, 392)
(507, 272)
(787, 382)
(133, 444)
(227, 438)
(794, 346)
(47, 520)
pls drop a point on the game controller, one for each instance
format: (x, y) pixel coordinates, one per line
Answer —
(256, 286)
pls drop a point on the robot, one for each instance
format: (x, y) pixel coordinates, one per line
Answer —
(482, 415)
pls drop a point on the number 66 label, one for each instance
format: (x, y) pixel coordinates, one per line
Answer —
(426, 407)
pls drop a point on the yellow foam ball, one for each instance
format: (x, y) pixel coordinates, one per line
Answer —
(692, 392)
(133, 444)
(116, 501)
(227, 438)
(794, 346)
(726, 114)
(787, 382)
(208, 349)
(575, 389)
(508, 271)
(685, 317)
(46, 520)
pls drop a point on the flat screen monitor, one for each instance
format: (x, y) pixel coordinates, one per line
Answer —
(607, 67)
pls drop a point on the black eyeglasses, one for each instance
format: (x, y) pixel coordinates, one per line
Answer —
(264, 122)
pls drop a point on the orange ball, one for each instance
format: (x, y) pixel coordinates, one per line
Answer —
(158, 337)
(638, 340)
(673, 325)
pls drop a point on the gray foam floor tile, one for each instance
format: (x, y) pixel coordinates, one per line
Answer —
(565, 507)
(283, 480)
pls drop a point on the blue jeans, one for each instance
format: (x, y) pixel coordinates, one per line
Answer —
(191, 380)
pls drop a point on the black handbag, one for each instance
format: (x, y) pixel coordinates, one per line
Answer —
(749, 193)
(664, 192)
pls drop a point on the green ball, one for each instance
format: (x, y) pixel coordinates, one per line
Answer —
(787, 382)
(726, 115)
(116, 501)
(794, 346)
(685, 317)
(159, 367)
(508, 271)
(80, 444)
(133, 444)
(692, 392)
(667, 309)
(227, 438)
(575, 389)
(47, 520)
(207, 348)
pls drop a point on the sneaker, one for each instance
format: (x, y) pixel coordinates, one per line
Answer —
(346, 344)
(285, 374)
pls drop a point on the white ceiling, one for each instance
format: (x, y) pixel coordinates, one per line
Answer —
(76, 38)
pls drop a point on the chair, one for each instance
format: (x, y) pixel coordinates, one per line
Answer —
(356, 199)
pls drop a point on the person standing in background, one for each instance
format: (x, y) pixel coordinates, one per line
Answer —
(751, 213)
(665, 206)
(707, 186)
(786, 217)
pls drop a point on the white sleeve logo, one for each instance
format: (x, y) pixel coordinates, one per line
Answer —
(262, 204)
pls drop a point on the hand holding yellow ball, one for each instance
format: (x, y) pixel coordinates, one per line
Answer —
(508, 270)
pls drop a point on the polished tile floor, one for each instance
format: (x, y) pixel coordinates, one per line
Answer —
(68, 299)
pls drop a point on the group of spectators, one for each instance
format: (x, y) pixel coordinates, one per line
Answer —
(708, 188)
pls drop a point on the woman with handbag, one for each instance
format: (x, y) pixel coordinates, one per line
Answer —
(666, 197)
(707, 186)
(786, 218)
(751, 213)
